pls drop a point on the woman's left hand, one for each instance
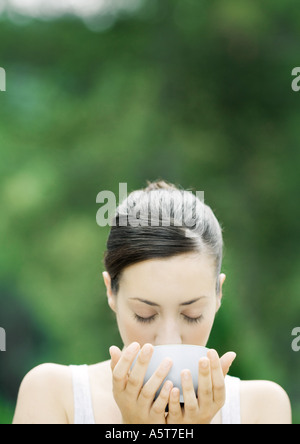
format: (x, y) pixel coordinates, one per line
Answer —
(211, 391)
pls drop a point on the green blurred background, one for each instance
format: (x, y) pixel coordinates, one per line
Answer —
(194, 92)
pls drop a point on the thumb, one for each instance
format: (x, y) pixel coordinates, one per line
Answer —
(226, 361)
(115, 354)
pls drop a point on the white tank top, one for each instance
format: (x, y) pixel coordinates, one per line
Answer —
(83, 409)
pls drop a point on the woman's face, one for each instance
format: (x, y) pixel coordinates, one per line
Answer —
(166, 301)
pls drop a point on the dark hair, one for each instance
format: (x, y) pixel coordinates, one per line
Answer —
(128, 244)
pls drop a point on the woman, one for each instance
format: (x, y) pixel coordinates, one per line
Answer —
(164, 284)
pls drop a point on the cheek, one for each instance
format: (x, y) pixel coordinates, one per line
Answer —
(207, 327)
(199, 334)
(208, 324)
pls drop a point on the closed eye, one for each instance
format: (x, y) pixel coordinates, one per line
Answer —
(150, 319)
(192, 320)
(144, 320)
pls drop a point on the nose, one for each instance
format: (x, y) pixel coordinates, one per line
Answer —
(168, 333)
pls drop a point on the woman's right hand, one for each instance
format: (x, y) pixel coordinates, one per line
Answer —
(136, 400)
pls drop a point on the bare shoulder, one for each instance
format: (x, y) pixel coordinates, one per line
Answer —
(102, 371)
(44, 395)
(264, 402)
(101, 382)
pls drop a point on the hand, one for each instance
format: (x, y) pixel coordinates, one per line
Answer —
(135, 400)
(211, 391)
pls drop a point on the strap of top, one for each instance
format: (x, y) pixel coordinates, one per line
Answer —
(231, 411)
(83, 408)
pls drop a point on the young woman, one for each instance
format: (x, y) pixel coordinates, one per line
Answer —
(164, 283)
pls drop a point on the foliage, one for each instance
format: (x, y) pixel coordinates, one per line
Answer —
(196, 92)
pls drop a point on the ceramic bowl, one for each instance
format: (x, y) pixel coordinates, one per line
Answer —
(183, 356)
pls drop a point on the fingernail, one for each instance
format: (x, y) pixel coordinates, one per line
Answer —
(204, 363)
(133, 347)
(167, 364)
(168, 386)
(213, 354)
(186, 375)
(147, 349)
(233, 359)
(175, 394)
(111, 349)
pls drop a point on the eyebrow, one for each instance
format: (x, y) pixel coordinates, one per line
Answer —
(156, 305)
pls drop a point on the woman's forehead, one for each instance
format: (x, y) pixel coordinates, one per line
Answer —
(176, 275)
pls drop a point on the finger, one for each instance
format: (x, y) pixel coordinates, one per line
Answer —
(175, 411)
(151, 387)
(191, 406)
(137, 374)
(226, 361)
(115, 354)
(160, 404)
(218, 382)
(205, 391)
(120, 372)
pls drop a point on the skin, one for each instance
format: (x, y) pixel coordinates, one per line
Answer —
(177, 302)
(184, 315)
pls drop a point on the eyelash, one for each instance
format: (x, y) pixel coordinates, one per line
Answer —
(152, 318)
(193, 320)
(144, 320)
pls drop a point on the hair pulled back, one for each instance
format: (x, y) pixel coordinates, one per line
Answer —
(162, 231)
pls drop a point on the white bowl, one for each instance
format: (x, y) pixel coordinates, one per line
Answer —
(183, 356)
